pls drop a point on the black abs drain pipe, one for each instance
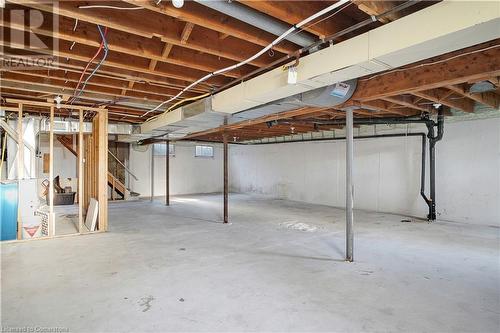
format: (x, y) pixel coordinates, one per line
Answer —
(431, 136)
(433, 139)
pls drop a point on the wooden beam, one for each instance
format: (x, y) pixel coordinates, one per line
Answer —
(374, 8)
(69, 87)
(293, 12)
(216, 21)
(490, 99)
(80, 171)
(407, 101)
(442, 96)
(52, 220)
(129, 45)
(165, 53)
(382, 106)
(186, 32)
(157, 25)
(462, 68)
(103, 81)
(281, 115)
(152, 64)
(51, 105)
(119, 61)
(100, 133)
(20, 167)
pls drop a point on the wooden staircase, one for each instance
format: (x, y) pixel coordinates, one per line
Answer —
(113, 182)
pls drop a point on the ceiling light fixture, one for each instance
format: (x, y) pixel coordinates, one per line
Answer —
(178, 3)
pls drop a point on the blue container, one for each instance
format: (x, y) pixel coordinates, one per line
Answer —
(8, 211)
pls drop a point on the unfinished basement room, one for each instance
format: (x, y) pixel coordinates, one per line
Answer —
(250, 166)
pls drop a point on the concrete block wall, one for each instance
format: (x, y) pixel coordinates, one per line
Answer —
(386, 172)
(188, 174)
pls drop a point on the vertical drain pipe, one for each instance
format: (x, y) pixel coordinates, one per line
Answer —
(349, 186)
(433, 139)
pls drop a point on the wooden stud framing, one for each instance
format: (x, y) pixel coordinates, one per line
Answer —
(51, 222)
(20, 167)
(80, 172)
(100, 172)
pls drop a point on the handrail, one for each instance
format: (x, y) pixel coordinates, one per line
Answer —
(123, 165)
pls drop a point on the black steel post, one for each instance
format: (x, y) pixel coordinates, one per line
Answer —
(167, 175)
(225, 179)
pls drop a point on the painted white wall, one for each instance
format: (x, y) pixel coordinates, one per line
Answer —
(188, 174)
(64, 160)
(386, 172)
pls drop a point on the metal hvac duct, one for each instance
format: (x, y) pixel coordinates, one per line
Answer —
(199, 116)
(257, 19)
(329, 96)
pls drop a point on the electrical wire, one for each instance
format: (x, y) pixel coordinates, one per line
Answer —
(178, 103)
(106, 49)
(109, 7)
(304, 29)
(87, 66)
(256, 55)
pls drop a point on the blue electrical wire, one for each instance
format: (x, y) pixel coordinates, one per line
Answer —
(106, 49)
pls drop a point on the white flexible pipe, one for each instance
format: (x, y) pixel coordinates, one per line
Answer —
(255, 56)
(109, 7)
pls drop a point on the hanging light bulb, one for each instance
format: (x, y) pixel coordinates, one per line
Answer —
(58, 101)
(178, 3)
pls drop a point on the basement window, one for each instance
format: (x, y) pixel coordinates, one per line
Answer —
(204, 151)
(160, 149)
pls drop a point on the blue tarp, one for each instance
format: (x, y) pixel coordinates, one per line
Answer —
(8, 211)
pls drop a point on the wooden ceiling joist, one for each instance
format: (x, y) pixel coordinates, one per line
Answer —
(464, 68)
(132, 45)
(443, 96)
(157, 25)
(69, 86)
(137, 88)
(292, 12)
(490, 99)
(211, 20)
(117, 60)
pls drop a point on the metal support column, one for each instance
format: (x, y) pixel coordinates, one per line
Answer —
(349, 186)
(167, 175)
(152, 171)
(225, 180)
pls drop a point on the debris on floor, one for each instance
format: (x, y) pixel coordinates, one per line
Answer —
(300, 226)
(146, 302)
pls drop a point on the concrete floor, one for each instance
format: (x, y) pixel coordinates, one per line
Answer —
(177, 269)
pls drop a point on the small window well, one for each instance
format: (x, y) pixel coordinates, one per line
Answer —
(204, 151)
(160, 149)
